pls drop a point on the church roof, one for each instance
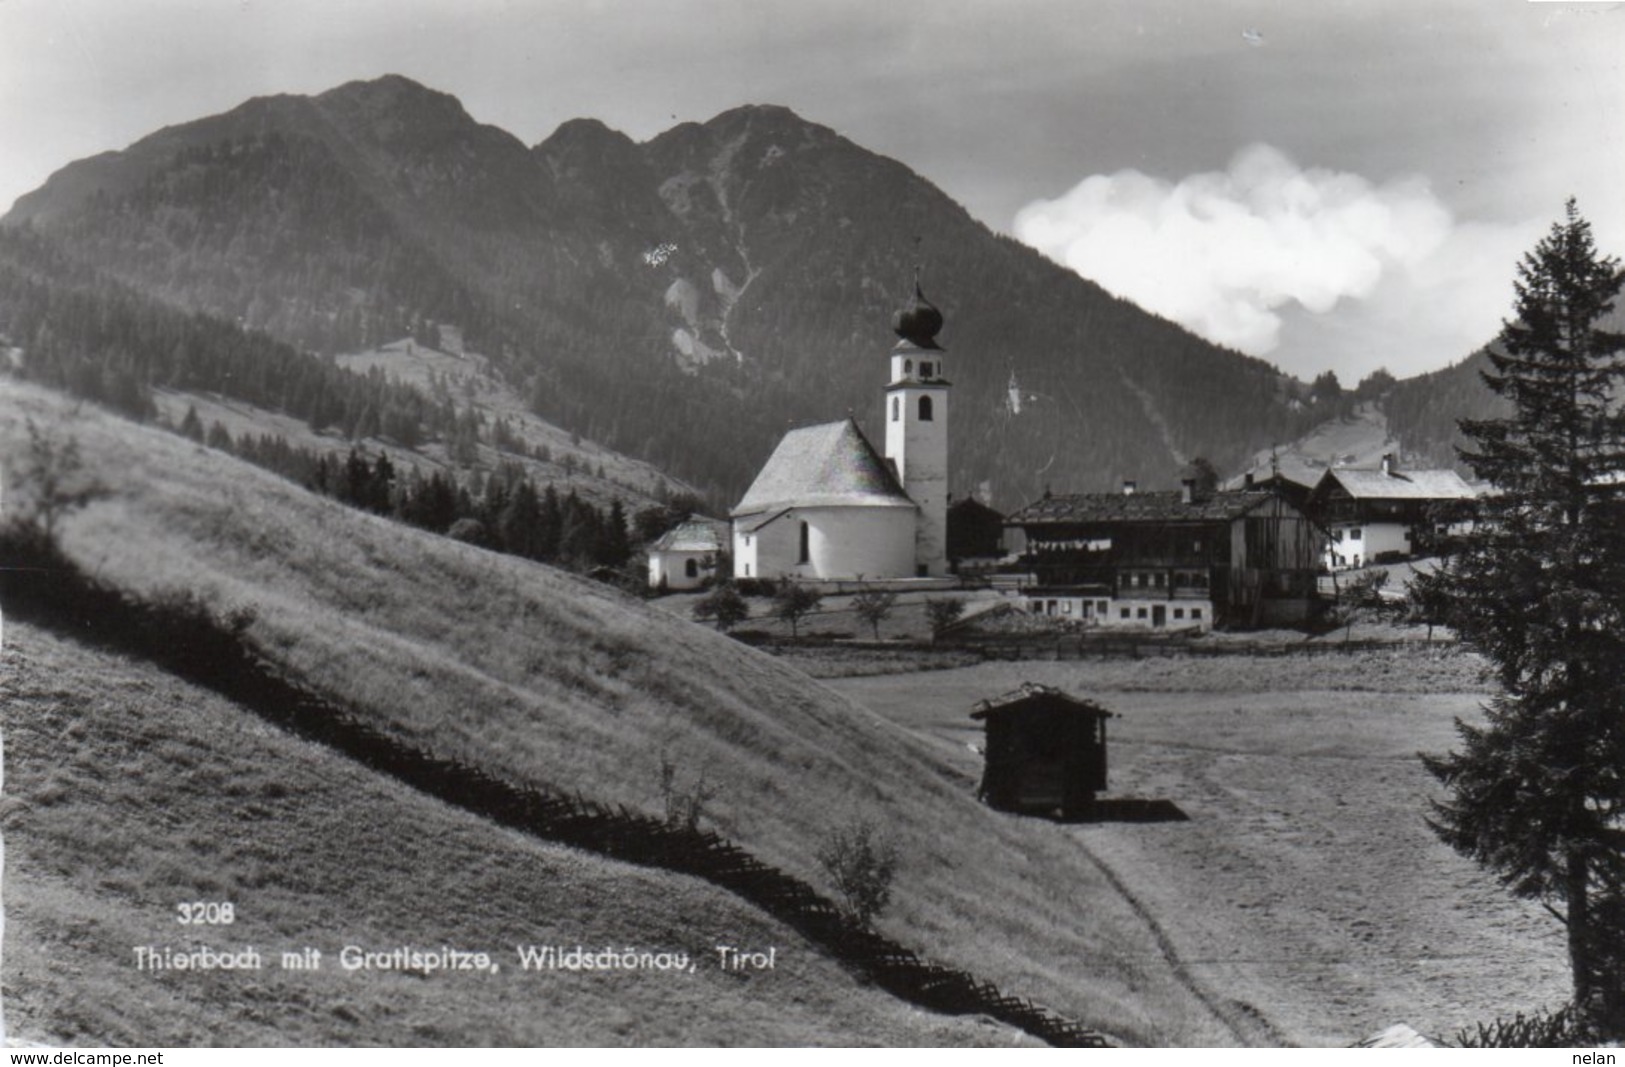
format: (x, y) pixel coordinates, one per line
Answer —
(818, 466)
(918, 323)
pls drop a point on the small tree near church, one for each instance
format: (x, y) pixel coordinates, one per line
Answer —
(1536, 792)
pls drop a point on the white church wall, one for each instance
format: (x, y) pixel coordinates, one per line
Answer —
(842, 542)
(846, 542)
(747, 563)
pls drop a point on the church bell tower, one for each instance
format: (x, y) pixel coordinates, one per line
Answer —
(917, 427)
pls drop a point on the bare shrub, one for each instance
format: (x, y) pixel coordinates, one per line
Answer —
(47, 482)
(861, 863)
(684, 805)
(1558, 1029)
(872, 606)
(724, 605)
(943, 613)
(792, 602)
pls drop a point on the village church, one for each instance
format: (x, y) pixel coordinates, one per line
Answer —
(827, 506)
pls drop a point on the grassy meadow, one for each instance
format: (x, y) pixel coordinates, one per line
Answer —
(1305, 881)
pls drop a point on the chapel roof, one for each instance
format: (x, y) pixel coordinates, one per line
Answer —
(820, 466)
(694, 534)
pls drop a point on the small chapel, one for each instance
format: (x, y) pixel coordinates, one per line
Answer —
(828, 507)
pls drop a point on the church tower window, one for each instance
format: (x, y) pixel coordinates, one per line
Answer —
(806, 544)
(896, 408)
(925, 409)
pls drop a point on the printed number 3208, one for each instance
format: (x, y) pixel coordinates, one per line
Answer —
(212, 913)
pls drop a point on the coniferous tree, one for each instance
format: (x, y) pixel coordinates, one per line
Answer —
(1537, 793)
(615, 546)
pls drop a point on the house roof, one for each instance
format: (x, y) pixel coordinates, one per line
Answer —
(1138, 507)
(1399, 484)
(1029, 691)
(820, 466)
(1288, 468)
(694, 534)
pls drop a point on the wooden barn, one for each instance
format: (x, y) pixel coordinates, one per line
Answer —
(1045, 751)
(1186, 560)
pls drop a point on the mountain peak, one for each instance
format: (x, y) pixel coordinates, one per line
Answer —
(575, 135)
(775, 119)
(759, 112)
(394, 98)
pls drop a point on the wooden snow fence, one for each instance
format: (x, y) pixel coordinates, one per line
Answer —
(182, 635)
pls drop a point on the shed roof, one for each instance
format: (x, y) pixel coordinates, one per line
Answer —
(694, 534)
(1138, 507)
(1396, 484)
(1031, 691)
(832, 464)
(1399, 1036)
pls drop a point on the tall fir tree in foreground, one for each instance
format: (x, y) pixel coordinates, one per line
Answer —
(1537, 792)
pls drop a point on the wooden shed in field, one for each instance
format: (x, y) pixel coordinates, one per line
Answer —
(1045, 751)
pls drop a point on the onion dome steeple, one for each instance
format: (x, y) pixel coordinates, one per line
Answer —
(918, 321)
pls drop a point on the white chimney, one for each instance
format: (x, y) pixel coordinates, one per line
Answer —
(1187, 490)
(1129, 487)
(1388, 463)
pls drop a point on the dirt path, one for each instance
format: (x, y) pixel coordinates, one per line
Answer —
(1249, 1026)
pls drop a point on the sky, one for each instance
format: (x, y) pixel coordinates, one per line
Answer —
(1331, 185)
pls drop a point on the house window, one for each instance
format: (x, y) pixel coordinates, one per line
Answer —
(747, 540)
(1196, 613)
(1139, 613)
(896, 408)
(806, 544)
(1179, 613)
(747, 570)
(1354, 535)
(1100, 607)
(1066, 607)
(1122, 613)
(925, 409)
(691, 568)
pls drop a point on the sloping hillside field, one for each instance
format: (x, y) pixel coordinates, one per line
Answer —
(542, 679)
(129, 793)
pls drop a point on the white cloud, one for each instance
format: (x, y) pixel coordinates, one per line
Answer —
(1235, 255)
